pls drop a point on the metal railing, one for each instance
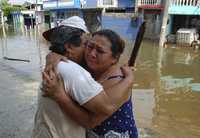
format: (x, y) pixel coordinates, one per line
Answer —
(185, 2)
(148, 2)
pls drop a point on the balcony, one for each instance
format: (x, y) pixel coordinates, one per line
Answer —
(184, 7)
(149, 4)
(185, 2)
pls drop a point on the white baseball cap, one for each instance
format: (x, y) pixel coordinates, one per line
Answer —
(73, 21)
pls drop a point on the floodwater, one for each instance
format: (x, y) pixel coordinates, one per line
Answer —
(166, 91)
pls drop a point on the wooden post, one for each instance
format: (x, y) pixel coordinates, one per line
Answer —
(164, 24)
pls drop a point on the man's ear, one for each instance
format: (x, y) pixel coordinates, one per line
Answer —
(114, 61)
(66, 45)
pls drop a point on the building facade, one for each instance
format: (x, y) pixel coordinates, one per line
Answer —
(58, 10)
(183, 14)
(152, 12)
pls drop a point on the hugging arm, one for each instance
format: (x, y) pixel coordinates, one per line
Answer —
(52, 60)
(53, 87)
(96, 109)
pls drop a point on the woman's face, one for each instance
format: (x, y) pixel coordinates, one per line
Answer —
(98, 54)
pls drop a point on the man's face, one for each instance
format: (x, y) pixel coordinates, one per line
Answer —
(76, 53)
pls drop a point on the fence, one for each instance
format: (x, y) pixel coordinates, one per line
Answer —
(148, 2)
(185, 2)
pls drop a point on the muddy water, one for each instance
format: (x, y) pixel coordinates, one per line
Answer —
(166, 91)
(19, 80)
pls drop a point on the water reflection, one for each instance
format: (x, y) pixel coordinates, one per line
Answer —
(171, 84)
(19, 43)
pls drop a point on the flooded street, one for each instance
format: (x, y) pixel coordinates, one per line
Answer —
(19, 81)
(166, 91)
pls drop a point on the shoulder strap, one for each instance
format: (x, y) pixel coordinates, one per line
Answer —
(116, 76)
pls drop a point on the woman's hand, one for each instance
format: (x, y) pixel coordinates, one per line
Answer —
(128, 73)
(52, 60)
(53, 85)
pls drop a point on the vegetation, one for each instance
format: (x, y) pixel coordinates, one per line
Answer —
(8, 8)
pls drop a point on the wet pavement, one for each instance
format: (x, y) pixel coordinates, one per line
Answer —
(17, 103)
(19, 82)
(166, 92)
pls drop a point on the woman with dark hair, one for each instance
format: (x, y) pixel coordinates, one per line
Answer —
(101, 56)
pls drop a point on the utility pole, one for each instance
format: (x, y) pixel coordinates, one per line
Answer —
(1, 14)
(36, 12)
(2, 19)
(164, 23)
(136, 6)
(4, 39)
(37, 35)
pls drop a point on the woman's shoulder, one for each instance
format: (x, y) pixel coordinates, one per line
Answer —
(116, 74)
(113, 78)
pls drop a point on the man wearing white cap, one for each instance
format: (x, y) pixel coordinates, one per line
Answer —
(50, 121)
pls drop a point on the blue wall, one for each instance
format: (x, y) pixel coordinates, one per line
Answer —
(77, 4)
(121, 3)
(91, 3)
(61, 6)
(126, 27)
(169, 25)
(126, 3)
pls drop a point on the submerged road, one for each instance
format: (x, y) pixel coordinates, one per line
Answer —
(17, 102)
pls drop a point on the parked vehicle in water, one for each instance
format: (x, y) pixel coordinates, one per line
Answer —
(187, 37)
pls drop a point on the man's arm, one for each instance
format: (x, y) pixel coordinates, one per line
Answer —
(53, 87)
(109, 100)
(52, 60)
(100, 107)
(77, 113)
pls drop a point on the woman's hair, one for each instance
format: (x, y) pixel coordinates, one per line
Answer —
(117, 43)
(63, 35)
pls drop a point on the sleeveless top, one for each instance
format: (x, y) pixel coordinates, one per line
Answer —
(120, 125)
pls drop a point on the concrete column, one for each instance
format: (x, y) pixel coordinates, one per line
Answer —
(157, 25)
(164, 24)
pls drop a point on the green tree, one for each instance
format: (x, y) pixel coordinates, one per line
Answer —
(7, 8)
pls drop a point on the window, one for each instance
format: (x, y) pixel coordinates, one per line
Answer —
(108, 2)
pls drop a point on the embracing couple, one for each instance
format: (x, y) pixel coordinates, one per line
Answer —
(84, 93)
